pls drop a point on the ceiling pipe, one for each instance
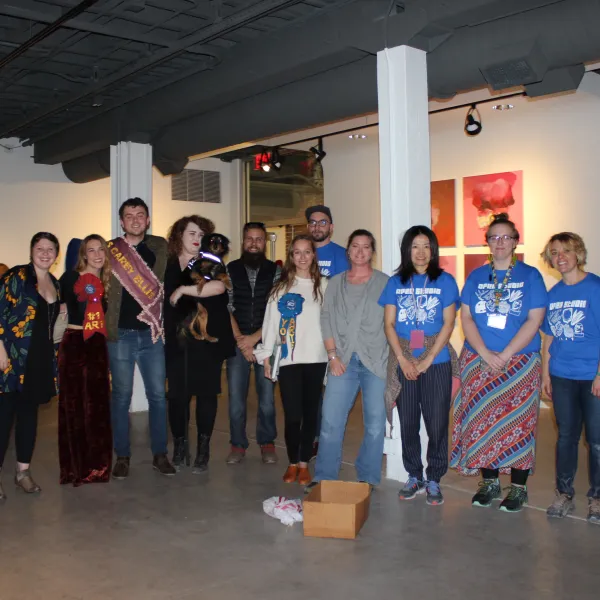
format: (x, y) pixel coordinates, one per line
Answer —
(47, 31)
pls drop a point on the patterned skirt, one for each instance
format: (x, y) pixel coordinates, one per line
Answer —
(495, 415)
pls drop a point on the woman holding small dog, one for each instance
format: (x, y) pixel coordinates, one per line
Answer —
(193, 365)
(293, 321)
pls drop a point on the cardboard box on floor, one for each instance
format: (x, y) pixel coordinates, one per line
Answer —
(336, 509)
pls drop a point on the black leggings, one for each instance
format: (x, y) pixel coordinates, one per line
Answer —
(517, 476)
(179, 414)
(301, 387)
(15, 404)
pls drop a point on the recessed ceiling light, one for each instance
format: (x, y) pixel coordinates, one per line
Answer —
(357, 136)
(503, 106)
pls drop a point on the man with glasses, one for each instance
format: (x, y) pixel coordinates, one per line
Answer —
(252, 277)
(331, 256)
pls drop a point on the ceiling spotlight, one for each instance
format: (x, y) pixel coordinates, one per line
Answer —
(473, 125)
(97, 101)
(276, 160)
(318, 151)
(357, 136)
(503, 106)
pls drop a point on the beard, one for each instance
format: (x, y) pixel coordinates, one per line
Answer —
(253, 260)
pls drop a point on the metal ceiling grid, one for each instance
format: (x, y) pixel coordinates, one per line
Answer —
(118, 50)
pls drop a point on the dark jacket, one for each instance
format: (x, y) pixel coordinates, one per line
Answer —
(18, 308)
(249, 306)
(158, 245)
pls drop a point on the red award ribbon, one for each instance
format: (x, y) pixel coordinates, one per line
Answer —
(89, 289)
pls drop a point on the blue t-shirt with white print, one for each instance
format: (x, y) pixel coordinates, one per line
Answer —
(573, 319)
(431, 298)
(525, 291)
(332, 259)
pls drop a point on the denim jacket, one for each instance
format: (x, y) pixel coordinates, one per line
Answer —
(18, 306)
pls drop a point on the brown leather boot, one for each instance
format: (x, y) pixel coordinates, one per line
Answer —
(25, 482)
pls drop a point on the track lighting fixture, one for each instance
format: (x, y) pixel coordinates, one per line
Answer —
(318, 151)
(265, 163)
(276, 161)
(472, 125)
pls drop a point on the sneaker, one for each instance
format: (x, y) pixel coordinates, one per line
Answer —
(315, 451)
(268, 454)
(163, 466)
(311, 486)
(121, 468)
(515, 499)
(434, 493)
(594, 511)
(561, 507)
(489, 490)
(411, 488)
(236, 456)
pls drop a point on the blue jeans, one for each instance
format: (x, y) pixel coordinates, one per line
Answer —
(135, 346)
(340, 395)
(575, 406)
(238, 380)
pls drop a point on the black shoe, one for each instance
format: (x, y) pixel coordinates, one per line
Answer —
(489, 490)
(515, 499)
(163, 466)
(181, 454)
(411, 489)
(121, 468)
(202, 455)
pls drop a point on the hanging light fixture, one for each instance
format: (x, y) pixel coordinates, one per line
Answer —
(276, 161)
(473, 125)
(265, 164)
(318, 151)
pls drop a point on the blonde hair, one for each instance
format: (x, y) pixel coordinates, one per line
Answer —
(571, 241)
(106, 271)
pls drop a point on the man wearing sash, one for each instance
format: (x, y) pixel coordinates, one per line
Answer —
(134, 322)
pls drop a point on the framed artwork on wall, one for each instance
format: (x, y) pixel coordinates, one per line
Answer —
(443, 212)
(486, 195)
(473, 261)
(448, 263)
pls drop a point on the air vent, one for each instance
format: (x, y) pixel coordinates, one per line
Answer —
(192, 185)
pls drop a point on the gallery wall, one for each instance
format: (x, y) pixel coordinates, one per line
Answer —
(40, 198)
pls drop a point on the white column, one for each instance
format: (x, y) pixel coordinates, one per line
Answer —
(130, 177)
(404, 179)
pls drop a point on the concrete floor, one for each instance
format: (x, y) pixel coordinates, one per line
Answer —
(189, 537)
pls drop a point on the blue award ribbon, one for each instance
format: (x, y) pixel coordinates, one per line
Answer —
(290, 306)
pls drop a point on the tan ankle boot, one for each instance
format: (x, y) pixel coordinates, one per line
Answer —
(24, 481)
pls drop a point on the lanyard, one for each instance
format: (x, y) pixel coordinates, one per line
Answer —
(498, 289)
(414, 297)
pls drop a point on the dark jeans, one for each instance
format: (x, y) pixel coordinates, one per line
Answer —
(15, 404)
(135, 346)
(575, 407)
(238, 380)
(301, 386)
(430, 396)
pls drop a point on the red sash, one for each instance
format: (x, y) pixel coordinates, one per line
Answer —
(140, 281)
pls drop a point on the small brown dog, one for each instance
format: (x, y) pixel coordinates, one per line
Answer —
(208, 267)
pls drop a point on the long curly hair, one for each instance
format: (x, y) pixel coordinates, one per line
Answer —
(105, 271)
(288, 272)
(175, 235)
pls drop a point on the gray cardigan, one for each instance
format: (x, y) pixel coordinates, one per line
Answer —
(360, 330)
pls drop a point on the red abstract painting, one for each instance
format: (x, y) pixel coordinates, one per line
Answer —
(448, 263)
(487, 195)
(443, 212)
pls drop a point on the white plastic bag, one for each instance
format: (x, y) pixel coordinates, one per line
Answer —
(287, 510)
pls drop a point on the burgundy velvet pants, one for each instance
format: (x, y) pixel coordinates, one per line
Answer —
(84, 431)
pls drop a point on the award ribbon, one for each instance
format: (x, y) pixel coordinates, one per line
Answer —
(290, 306)
(89, 289)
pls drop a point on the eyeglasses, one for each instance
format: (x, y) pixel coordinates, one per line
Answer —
(321, 223)
(494, 239)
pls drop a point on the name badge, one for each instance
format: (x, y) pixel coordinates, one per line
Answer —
(417, 339)
(496, 321)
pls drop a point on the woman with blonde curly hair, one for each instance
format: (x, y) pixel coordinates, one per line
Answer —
(571, 372)
(84, 430)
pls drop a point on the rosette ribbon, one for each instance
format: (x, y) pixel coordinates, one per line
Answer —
(89, 289)
(290, 306)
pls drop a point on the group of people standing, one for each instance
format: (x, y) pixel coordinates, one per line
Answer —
(335, 324)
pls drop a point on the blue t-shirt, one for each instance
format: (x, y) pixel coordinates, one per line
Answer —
(524, 292)
(332, 259)
(573, 319)
(428, 314)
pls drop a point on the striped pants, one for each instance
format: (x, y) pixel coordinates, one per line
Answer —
(430, 395)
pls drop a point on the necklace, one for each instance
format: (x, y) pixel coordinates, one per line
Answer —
(498, 289)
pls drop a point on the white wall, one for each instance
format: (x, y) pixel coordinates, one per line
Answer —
(40, 198)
